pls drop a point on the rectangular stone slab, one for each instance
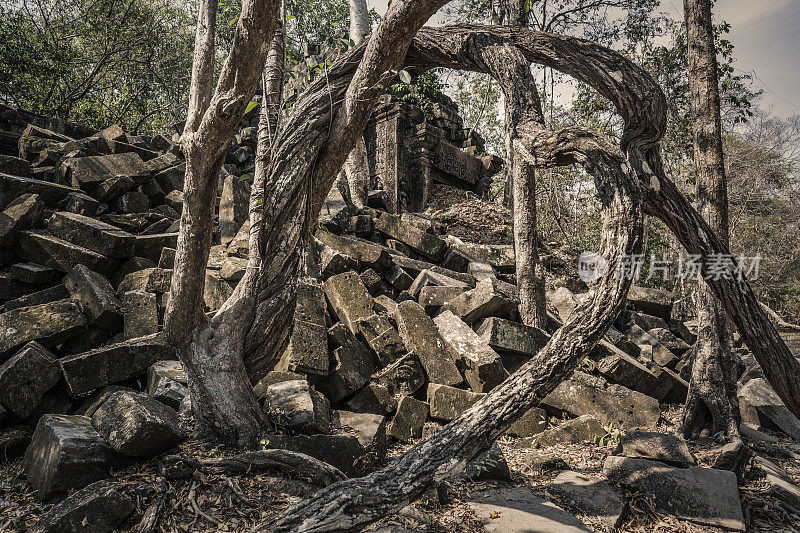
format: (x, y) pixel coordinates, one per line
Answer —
(367, 253)
(41, 247)
(50, 193)
(309, 341)
(509, 336)
(87, 371)
(420, 241)
(49, 324)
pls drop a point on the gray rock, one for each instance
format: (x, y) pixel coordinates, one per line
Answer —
(81, 204)
(371, 280)
(592, 497)
(97, 508)
(507, 336)
(233, 268)
(13, 442)
(399, 278)
(517, 510)
(233, 206)
(618, 366)
(366, 253)
(349, 299)
(420, 241)
(500, 256)
(563, 303)
(353, 364)
(345, 452)
(150, 246)
(369, 429)
(670, 341)
(651, 301)
(446, 403)
(155, 280)
(92, 234)
(575, 431)
(166, 382)
(758, 395)
(32, 273)
(309, 340)
(373, 398)
(39, 246)
(489, 298)
(217, 290)
(660, 353)
(87, 371)
(137, 425)
(49, 324)
(664, 447)
(52, 194)
(533, 422)
(480, 365)
(86, 173)
(44, 296)
(780, 483)
(95, 292)
(422, 337)
(298, 407)
(140, 313)
(382, 338)
(403, 377)
(701, 495)
(24, 212)
(430, 278)
(409, 419)
(491, 465)
(26, 377)
(66, 453)
(614, 404)
(433, 297)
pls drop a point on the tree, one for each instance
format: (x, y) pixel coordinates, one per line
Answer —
(712, 390)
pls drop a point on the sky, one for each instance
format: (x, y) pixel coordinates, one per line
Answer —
(766, 40)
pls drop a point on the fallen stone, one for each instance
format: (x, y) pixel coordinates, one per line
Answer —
(86, 173)
(457, 260)
(155, 280)
(563, 302)
(132, 202)
(614, 404)
(166, 382)
(422, 337)
(216, 290)
(81, 204)
(85, 372)
(349, 299)
(585, 428)
(97, 508)
(781, 485)
(660, 353)
(26, 377)
(309, 340)
(41, 247)
(701, 495)
(592, 497)
(670, 341)
(137, 425)
(371, 280)
(500, 256)
(491, 465)
(52, 194)
(446, 403)
(415, 267)
(487, 299)
(95, 292)
(428, 278)
(111, 189)
(757, 394)
(298, 407)
(517, 510)
(13, 442)
(369, 429)
(651, 301)
(345, 452)
(403, 377)
(34, 139)
(399, 278)
(407, 423)
(49, 324)
(618, 366)
(66, 453)
(332, 262)
(32, 273)
(272, 377)
(507, 336)
(150, 246)
(533, 422)
(15, 166)
(664, 447)
(480, 365)
(140, 312)
(384, 305)
(420, 241)
(92, 234)
(366, 253)
(233, 268)
(373, 398)
(234, 206)
(352, 365)
(433, 297)
(382, 338)
(44, 296)
(24, 212)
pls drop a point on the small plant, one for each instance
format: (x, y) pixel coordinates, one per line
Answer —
(613, 436)
(423, 91)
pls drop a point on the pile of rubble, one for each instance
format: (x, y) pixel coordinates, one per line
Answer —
(398, 329)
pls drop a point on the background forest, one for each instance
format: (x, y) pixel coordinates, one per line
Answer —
(101, 62)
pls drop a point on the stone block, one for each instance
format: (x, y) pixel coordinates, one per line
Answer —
(155, 280)
(480, 365)
(49, 324)
(407, 423)
(26, 377)
(234, 206)
(651, 301)
(345, 452)
(216, 290)
(533, 422)
(368, 254)
(373, 398)
(508, 336)
(664, 447)
(150, 246)
(352, 365)
(233, 268)
(13, 441)
(95, 292)
(97, 508)
(487, 299)
(298, 407)
(136, 424)
(593, 497)
(140, 312)
(433, 297)
(404, 376)
(88, 172)
(446, 403)
(428, 278)
(66, 453)
(349, 299)
(500, 256)
(52, 194)
(41, 247)
(24, 212)
(422, 337)
(420, 241)
(44, 296)
(92, 234)
(87, 371)
(81, 204)
(399, 278)
(371, 280)
(309, 340)
(585, 428)
(759, 395)
(32, 273)
(616, 365)
(369, 429)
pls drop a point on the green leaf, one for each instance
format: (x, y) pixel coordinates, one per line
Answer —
(245, 177)
(250, 107)
(405, 77)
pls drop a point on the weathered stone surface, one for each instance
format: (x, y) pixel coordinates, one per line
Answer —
(664, 447)
(575, 431)
(166, 382)
(758, 394)
(507, 336)
(369, 429)
(26, 377)
(103, 366)
(422, 337)
(309, 340)
(366, 253)
(155, 280)
(660, 353)
(500, 256)
(216, 290)
(614, 404)
(44, 296)
(384, 305)
(13, 442)
(345, 452)
(409, 419)
(150, 246)
(22, 213)
(32, 273)
(433, 297)
(780, 483)
(111, 189)
(702, 495)
(563, 303)
(349, 299)
(233, 268)
(651, 301)
(15, 166)
(132, 202)
(399, 278)
(517, 510)
(446, 403)
(420, 241)
(97, 508)
(82, 204)
(234, 206)
(140, 313)
(95, 292)
(533, 422)
(403, 377)
(373, 398)
(480, 365)
(618, 366)
(272, 377)
(427, 278)
(86, 173)
(382, 338)
(298, 407)
(491, 465)
(137, 425)
(371, 280)
(52, 194)
(66, 452)
(487, 299)
(41, 247)
(414, 267)
(670, 341)
(592, 497)
(352, 365)
(332, 262)
(49, 324)
(92, 234)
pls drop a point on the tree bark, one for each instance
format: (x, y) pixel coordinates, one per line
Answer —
(712, 399)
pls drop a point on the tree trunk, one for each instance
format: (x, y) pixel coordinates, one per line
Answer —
(712, 396)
